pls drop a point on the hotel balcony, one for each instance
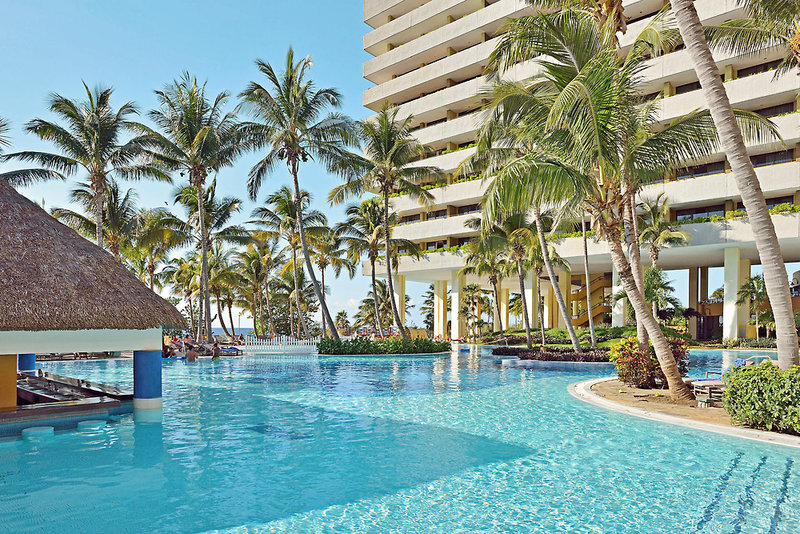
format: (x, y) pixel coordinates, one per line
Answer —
(377, 12)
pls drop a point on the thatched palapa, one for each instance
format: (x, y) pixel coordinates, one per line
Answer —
(51, 278)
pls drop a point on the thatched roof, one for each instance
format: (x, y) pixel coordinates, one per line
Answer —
(51, 278)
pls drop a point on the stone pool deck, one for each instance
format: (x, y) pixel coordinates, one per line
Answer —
(591, 391)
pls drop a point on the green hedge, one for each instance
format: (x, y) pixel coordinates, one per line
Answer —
(764, 396)
(642, 370)
(389, 345)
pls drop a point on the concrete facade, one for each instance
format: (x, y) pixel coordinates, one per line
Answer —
(428, 59)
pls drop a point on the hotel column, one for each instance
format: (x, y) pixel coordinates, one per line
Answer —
(693, 287)
(618, 308)
(147, 379)
(530, 299)
(504, 307)
(565, 286)
(732, 277)
(458, 327)
(440, 308)
(400, 296)
(26, 363)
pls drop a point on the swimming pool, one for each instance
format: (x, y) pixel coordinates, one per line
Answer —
(424, 444)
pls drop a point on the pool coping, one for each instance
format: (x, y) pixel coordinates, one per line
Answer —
(583, 392)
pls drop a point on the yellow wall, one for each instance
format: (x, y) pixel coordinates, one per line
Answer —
(8, 380)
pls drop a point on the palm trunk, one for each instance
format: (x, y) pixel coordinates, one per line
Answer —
(589, 309)
(300, 320)
(230, 316)
(322, 287)
(269, 310)
(201, 214)
(191, 312)
(99, 194)
(378, 324)
(634, 254)
(525, 318)
(151, 274)
(766, 239)
(326, 315)
(387, 235)
(666, 359)
(291, 320)
(253, 311)
(497, 303)
(221, 317)
(552, 275)
(539, 306)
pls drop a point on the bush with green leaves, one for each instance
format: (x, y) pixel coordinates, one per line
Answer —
(389, 345)
(641, 369)
(750, 343)
(763, 396)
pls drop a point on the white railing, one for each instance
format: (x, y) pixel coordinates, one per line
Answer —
(280, 345)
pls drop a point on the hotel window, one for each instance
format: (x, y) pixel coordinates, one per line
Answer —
(696, 213)
(438, 214)
(758, 69)
(410, 218)
(774, 111)
(772, 202)
(470, 208)
(705, 169)
(432, 245)
(773, 158)
(465, 240)
(693, 86)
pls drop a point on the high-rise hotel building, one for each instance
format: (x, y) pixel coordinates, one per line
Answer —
(428, 59)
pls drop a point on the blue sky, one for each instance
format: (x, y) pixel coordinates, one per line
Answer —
(136, 47)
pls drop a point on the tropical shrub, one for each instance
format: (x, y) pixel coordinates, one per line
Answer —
(389, 345)
(554, 354)
(642, 370)
(750, 343)
(763, 396)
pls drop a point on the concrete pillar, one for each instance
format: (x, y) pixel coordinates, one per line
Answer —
(440, 308)
(564, 285)
(693, 286)
(703, 283)
(618, 308)
(504, 306)
(147, 380)
(458, 327)
(737, 270)
(8, 381)
(399, 281)
(26, 363)
(530, 299)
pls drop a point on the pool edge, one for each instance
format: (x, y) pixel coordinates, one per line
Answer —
(583, 392)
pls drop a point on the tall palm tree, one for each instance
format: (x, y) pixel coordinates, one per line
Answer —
(281, 217)
(754, 293)
(363, 232)
(387, 166)
(590, 315)
(593, 147)
(250, 268)
(733, 144)
(222, 277)
(197, 138)
(656, 229)
(117, 219)
(343, 322)
(92, 141)
(22, 177)
(157, 233)
(535, 262)
(181, 274)
(292, 126)
(484, 258)
(329, 250)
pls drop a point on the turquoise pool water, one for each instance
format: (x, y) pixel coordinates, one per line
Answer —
(448, 444)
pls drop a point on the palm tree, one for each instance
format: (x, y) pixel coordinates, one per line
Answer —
(753, 292)
(329, 250)
(535, 261)
(157, 233)
(181, 274)
(483, 258)
(117, 219)
(590, 315)
(470, 308)
(91, 141)
(292, 126)
(21, 177)
(282, 218)
(222, 277)
(363, 232)
(250, 268)
(197, 138)
(343, 322)
(733, 144)
(656, 229)
(387, 167)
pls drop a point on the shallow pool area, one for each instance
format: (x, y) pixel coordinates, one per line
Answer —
(419, 444)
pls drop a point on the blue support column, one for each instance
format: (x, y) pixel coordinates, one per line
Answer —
(26, 363)
(147, 380)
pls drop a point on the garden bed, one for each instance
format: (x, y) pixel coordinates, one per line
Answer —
(554, 354)
(387, 346)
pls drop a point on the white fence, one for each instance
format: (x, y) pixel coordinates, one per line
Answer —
(280, 345)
